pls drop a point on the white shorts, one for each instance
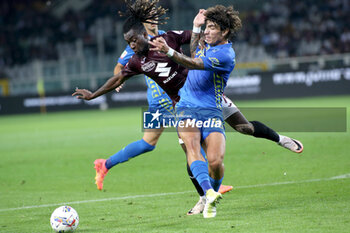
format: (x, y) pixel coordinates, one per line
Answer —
(228, 107)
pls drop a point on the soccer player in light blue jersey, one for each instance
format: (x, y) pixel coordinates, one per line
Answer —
(201, 96)
(157, 100)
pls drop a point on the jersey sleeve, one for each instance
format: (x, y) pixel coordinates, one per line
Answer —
(126, 55)
(181, 37)
(219, 62)
(130, 69)
(161, 32)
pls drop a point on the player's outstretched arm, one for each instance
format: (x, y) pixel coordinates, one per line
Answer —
(117, 69)
(159, 44)
(110, 85)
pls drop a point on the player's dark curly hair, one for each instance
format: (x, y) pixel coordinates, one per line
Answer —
(226, 18)
(142, 11)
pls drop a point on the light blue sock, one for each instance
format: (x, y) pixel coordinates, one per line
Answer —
(128, 152)
(199, 170)
(215, 183)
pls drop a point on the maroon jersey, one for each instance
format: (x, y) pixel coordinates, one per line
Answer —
(166, 73)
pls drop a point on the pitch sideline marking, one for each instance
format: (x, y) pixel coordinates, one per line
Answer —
(344, 176)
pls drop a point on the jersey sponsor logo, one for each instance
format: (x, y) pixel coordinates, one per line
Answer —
(170, 77)
(162, 69)
(147, 67)
(214, 61)
(123, 54)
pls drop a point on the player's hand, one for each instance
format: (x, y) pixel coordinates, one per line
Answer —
(199, 20)
(159, 44)
(82, 94)
(119, 88)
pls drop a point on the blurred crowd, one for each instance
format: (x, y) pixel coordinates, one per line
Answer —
(29, 29)
(288, 28)
(285, 28)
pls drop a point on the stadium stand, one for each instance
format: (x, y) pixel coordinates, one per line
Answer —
(75, 39)
(287, 28)
(282, 28)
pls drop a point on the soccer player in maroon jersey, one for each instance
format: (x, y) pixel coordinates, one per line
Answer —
(169, 75)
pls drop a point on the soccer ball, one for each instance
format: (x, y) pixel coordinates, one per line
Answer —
(64, 219)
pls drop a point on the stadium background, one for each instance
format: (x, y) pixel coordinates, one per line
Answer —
(285, 49)
(292, 58)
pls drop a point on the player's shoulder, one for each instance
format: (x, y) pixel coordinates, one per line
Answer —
(177, 37)
(134, 61)
(230, 52)
(176, 33)
(126, 55)
(223, 51)
(161, 32)
(169, 35)
(127, 51)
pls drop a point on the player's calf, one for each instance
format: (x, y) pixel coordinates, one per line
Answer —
(245, 128)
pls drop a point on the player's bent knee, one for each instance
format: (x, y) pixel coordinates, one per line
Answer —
(215, 163)
(216, 166)
(245, 128)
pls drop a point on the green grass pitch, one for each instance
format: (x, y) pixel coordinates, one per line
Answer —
(47, 160)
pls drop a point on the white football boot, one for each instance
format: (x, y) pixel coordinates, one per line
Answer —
(291, 144)
(198, 208)
(210, 204)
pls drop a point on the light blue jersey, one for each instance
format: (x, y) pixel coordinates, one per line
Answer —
(200, 97)
(204, 88)
(156, 96)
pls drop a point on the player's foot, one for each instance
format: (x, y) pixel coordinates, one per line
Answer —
(210, 204)
(198, 208)
(101, 172)
(225, 188)
(291, 144)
